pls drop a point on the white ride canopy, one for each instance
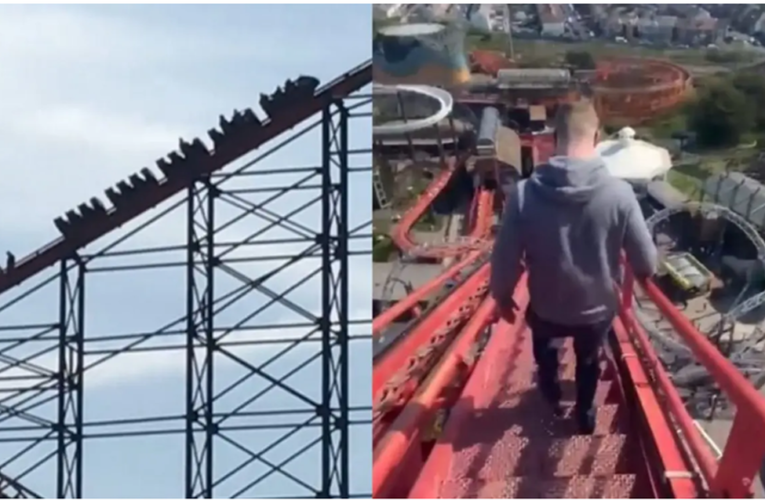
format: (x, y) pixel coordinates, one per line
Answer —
(634, 160)
(442, 98)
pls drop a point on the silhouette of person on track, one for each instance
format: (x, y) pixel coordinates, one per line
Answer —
(569, 223)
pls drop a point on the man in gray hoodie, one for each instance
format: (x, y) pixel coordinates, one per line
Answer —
(569, 223)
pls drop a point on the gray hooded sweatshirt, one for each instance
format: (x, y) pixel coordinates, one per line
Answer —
(569, 223)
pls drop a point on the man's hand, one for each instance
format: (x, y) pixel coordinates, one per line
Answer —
(505, 311)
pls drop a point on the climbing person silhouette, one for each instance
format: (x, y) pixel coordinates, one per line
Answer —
(568, 223)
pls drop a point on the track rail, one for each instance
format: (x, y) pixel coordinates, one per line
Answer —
(400, 233)
(399, 456)
(181, 169)
(484, 211)
(229, 146)
(430, 326)
(385, 318)
(679, 463)
(399, 370)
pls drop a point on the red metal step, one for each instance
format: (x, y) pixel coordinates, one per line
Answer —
(616, 486)
(510, 445)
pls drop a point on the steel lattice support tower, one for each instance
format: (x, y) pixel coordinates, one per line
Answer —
(274, 388)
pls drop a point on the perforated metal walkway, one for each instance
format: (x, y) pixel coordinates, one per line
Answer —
(507, 443)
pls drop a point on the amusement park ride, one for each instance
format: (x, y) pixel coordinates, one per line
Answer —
(455, 410)
(52, 360)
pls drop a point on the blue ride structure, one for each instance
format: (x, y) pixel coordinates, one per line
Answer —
(429, 54)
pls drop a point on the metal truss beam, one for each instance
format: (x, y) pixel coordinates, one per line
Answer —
(226, 334)
(69, 379)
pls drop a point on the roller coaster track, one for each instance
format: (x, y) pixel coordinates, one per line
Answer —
(496, 441)
(181, 169)
(751, 303)
(400, 369)
(401, 232)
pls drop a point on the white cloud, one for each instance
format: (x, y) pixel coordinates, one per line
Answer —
(66, 35)
(87, 128)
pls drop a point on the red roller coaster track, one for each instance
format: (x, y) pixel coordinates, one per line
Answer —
(496, 442)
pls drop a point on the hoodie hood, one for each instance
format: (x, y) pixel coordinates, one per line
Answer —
(569, 180)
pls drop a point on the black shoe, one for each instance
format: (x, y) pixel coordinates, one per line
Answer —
(554, 404)
(586, 422)
(557, 410)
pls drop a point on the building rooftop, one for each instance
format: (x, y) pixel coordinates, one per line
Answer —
(666, 21)
(550, 13)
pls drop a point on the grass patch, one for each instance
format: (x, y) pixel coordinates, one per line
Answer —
(602, 49)
(383, 247)
(663, 127)
(429, 222)
(382, 224)
(475, 41)
(688, 177)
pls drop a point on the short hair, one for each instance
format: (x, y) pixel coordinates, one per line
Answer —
(576, 120)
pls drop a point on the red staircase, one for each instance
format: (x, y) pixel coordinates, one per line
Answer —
(510, 446)
(475, 426)
(502, 441)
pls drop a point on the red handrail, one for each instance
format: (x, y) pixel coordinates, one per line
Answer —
(699, 449)
(745, 448)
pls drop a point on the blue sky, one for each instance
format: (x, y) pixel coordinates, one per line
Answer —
(93, 94)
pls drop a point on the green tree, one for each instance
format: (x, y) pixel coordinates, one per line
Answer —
(725, 56)
(720, 115)
(752, 85)
(580, 59)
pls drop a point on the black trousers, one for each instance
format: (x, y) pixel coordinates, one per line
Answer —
(588, 339)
